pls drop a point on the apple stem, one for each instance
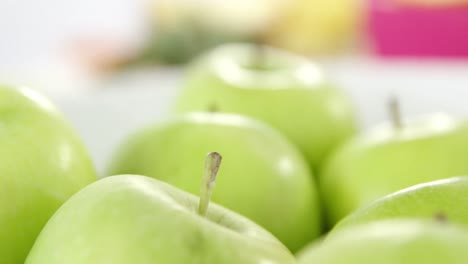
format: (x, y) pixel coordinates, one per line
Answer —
(395, 112)
(258, 54)
(212, 163)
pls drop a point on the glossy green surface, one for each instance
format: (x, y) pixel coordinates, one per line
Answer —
(387, 160)
(392, 242)
(292, 95)
(42, 163)
(447, 198)
(139, 220)
(262, 175)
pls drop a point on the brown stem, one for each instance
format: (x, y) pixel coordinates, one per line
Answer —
(395, 112)
(212, 163)
(259, 56)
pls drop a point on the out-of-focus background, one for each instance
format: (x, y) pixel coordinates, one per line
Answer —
(114, 66)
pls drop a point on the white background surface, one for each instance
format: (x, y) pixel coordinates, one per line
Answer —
(38, 30)
(34, 33)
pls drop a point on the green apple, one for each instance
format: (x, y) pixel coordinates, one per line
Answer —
(443, 198)
(264, 177)
(139, 220)
(286, 91)
(390, 158)
(180, 29)
(392, 242)
(42, 163)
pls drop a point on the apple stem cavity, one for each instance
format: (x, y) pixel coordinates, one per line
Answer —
(395, 112)
(213, 108)
(440, 217)
(212, 163)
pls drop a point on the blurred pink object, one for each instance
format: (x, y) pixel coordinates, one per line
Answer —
(404, 30)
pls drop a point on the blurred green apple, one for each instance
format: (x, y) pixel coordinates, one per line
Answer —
(392, 242)
(264, 176)
(391, 158)
(286, 91)
(139, 220)
(183, 29)
(445, 198)
(42, 163)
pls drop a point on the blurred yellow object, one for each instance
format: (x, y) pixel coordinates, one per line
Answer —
(316, 26)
